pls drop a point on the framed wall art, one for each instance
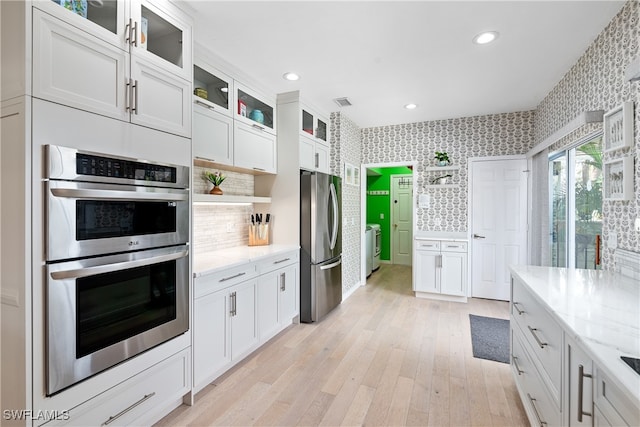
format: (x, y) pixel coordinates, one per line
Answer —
(618, 127)
(618, 179)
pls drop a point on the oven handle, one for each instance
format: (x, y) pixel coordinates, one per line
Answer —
(108, 268)
(118, 195)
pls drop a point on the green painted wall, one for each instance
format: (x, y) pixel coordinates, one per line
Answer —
(381, 204)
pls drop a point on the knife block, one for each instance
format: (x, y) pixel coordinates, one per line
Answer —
(258, 234)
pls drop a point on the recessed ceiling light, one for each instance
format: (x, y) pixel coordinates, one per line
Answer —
(486, 37)
(291, 76)
(410, 106)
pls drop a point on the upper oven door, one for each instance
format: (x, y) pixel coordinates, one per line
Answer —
(85, 219)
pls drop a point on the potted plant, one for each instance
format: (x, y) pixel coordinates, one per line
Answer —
(216, 178)
(442, 157)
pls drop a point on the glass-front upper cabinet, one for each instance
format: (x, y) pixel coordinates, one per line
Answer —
(212, 89)
(255, 110)
(313, 125)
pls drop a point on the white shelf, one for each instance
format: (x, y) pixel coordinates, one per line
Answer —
(442, 186)
(441, 168)
(209, 198)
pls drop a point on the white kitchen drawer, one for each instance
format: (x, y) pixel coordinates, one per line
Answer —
(428, 245)
(543, 335)
(221, 279)
(453, 246)
(138, 397)
(541, 408)
(613, 402)
(276, 262)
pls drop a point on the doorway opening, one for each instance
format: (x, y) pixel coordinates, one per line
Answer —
(387, 204)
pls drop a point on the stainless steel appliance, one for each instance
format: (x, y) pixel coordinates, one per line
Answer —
(320, 245)
(117, 270)
(377, 241)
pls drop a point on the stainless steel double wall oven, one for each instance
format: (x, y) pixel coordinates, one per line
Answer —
(117, 260)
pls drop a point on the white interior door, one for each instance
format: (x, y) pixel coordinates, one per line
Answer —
(401, 219)
(498, 213)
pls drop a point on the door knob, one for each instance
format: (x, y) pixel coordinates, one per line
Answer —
(477, 236)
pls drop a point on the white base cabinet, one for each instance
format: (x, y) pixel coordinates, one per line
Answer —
(440, 269)
(240, 308)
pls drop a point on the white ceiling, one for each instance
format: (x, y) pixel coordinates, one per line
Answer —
(385, 54)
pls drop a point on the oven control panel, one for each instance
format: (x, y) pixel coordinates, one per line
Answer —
(92, 165)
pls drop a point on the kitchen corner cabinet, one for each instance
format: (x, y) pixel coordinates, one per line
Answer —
(440, 269)
(130, 60)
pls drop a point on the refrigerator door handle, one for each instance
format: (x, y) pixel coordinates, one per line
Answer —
(334, 204)
(333, 264)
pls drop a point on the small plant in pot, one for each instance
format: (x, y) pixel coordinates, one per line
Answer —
(216, 178)
(442, 158)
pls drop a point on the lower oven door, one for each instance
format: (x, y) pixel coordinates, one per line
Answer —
(102, 311)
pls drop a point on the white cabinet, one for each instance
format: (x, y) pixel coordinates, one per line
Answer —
(578, 395)
(440, 269)
(212, 135)
(243, 325)
(254, 110)
(100, 64)
(614, 407)
(211, 346)
(313, 125)
(278, 292)
(254, 148)
(314, 155)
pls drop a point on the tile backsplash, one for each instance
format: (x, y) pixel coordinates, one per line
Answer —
(221, 226)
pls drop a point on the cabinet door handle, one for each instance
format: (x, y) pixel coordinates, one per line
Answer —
(581, 377)
(257, 127)
(232, 299)
(439, 263)
(515, 364)
(135, 88)
(283, 285)
(134, 30)
(533, 332)
(204, 104)
(535, 411)
(477, 236)
(127, 31)
(317, 160)
(520, 312)
(224, 279)
(258, 169)
(124, 411)
(127, 96)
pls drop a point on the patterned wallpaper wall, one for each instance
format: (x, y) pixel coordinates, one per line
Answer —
(345, 147)
(596, 82)
(481, 136)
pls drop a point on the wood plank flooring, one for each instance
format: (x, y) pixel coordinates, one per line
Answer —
(383, 357)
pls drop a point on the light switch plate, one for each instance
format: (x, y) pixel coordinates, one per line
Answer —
(382, 217)
(229, 227)
(637, 224)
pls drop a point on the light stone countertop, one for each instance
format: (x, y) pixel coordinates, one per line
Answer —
(599, 309)
(211, 262)
(441, 235)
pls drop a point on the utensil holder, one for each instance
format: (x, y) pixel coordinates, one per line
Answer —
(258, 234)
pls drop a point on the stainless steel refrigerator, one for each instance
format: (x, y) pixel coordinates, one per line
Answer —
(320, 245)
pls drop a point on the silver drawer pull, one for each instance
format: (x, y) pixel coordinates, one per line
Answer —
(124, 411)
(210, 107)
(515, 364)
(282, 260)
(520, 312)
(535, 411)
(533, 332)
(581, 377)
(255, 126)
(224, 279)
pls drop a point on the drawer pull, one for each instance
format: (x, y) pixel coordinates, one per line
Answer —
(533, 332)
(224, 279)
(535, 411)
(520, 312)
(581, 377)
(282, 260)
(515, 364)
(124, 411)
(210, 107)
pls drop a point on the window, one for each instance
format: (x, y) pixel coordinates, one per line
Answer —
(575, 205)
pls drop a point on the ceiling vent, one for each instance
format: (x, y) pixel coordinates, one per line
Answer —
(343, 102)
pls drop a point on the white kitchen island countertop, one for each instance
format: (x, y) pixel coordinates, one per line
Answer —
(599, 309)
(213, 261)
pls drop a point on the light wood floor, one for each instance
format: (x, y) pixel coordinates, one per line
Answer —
(383, 357)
